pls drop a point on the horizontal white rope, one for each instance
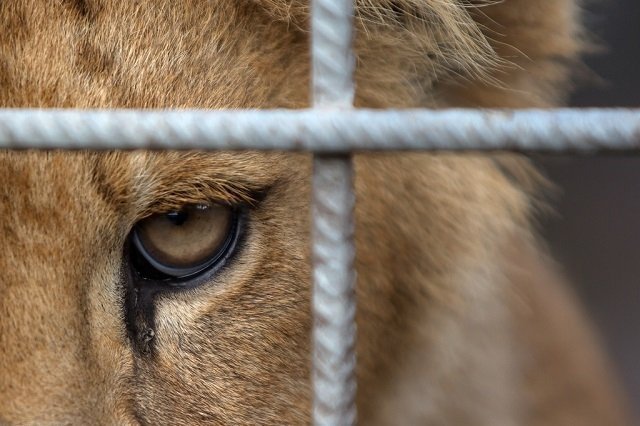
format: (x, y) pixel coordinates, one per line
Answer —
(324, 130)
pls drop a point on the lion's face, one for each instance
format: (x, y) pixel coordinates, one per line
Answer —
(92, 331)
(81, 339)
(87, 339)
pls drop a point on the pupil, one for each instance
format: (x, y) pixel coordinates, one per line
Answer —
(177, 218)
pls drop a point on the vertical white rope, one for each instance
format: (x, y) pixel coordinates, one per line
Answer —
(333, 295)
(334, 332)
(332, 54)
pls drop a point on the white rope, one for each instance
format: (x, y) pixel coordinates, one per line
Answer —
(332, 56)
(328, 131)
(334, 307)
(334, 304)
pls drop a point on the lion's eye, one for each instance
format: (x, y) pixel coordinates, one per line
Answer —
(183, 243)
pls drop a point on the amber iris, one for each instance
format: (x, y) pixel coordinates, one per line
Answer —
(185, 242)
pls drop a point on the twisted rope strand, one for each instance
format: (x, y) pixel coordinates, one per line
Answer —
(334, 333)
(333, 295)
(325, 131)
(333, 62)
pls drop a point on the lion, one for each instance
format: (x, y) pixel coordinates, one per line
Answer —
(174, 287)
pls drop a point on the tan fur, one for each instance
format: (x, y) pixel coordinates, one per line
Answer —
(460, 321)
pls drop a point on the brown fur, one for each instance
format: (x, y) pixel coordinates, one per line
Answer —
(460, 321)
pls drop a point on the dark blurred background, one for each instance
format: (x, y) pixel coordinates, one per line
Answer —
(595, 235)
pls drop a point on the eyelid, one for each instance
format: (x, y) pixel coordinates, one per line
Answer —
(173, 202)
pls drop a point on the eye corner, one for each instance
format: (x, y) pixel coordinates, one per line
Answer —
(258, 196)
(248, 200)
